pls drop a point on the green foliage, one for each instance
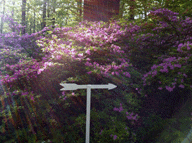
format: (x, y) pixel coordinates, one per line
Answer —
(37, 111)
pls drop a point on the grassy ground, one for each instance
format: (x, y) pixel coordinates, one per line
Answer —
(179, 128)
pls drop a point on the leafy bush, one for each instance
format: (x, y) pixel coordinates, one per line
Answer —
(135, 58)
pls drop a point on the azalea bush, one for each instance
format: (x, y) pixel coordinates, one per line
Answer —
(171, 51)
(89, 67)
(14, 47)
(70, 61)
(152, 58)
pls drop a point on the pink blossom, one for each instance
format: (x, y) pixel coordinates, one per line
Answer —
(171, 67)
(114, 137)
(177, 65)
(154, 73)
(135, 117)
(101, 132)
(127, 74)
(63, 93)
(164, 70)
(169, 88)
(65, 98)
(115, 109)
(80, 55)
(160, 88)
(182, 86)
(88, 52)
(184, 75)
(117, 73)
(58, 57)
(88, 64)
(32, 98)
(120, 108)
(129, 117)
(39, 71)
(131, 114)
(174, 83)
(154, 67)
(89, 72)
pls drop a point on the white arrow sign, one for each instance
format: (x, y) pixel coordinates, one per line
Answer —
(73, 86)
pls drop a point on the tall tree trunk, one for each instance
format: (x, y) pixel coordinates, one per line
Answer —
(13, 9)
(48, 8)
(12, 14)
(34, 21)
(23, 15)
(2, 18)
(132, 9)
(145, 12)
(79, 5)
(26, 21)
(121, 9)
(145, 8)
(30, 27)
(53, 19)
(44, 14)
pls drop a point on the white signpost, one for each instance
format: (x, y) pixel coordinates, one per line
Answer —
(73, 86)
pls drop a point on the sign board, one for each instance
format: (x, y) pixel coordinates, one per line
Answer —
(73, 86)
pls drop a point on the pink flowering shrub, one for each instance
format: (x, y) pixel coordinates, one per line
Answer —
(170, 51)
(21, 75)
(78, 51)
(74, 55)
(163, 55)
(155, 55)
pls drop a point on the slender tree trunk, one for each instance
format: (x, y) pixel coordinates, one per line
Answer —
(2, 18)
(121, 9)
(132, 9)
(145, 13)
(48, 12)
(48, 8)
(26, 21)
(39, 25)
(44, 14)
(30, 27)
(23, 15)
(34, 21)
(79, 5)
(53, 19)
(13, 9)
(12, 14)
(145, 8)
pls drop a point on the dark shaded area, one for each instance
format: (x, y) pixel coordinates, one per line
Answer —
(156, 108)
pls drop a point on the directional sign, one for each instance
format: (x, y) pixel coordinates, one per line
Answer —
(73, 86)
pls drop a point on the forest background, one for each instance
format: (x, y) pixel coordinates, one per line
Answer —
(144, 49)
